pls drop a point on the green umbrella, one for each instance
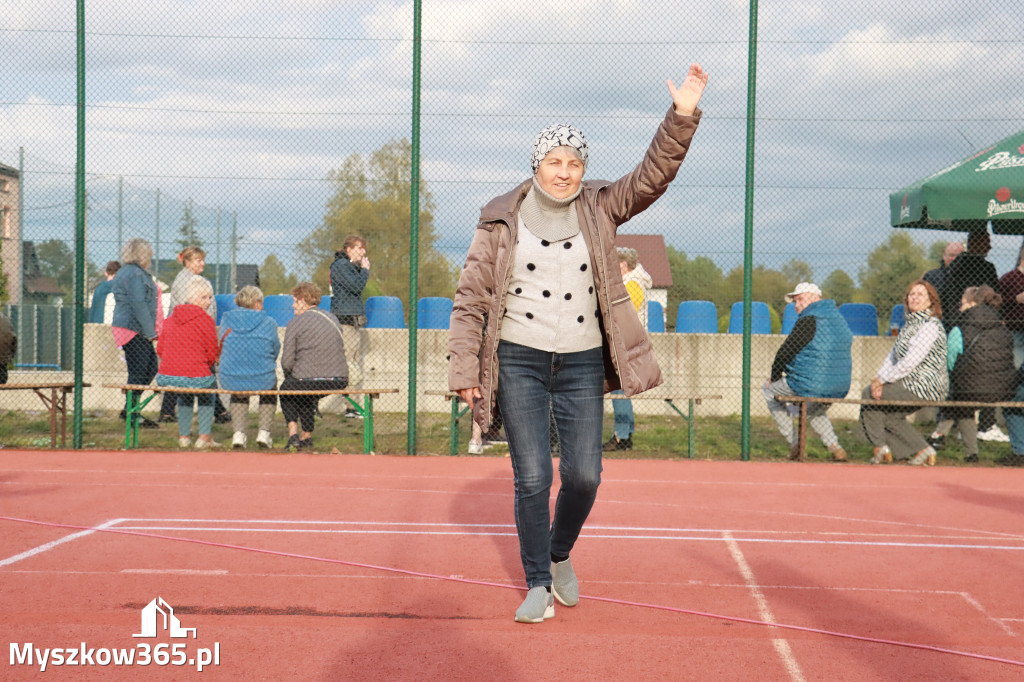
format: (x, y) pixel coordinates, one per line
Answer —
(988, 186)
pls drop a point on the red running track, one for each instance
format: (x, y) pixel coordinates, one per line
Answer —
(358, 567)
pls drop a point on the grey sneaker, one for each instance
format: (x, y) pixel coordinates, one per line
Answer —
(538, 605)
(563, 583)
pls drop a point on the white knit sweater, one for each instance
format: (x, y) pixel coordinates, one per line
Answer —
(551, 304)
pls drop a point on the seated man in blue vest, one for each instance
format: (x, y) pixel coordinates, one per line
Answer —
(813, 361)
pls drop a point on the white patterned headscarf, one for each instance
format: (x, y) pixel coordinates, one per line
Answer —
(559, 135)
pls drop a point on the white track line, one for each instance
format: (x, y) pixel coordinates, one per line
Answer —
(781, 645)
(50, 545)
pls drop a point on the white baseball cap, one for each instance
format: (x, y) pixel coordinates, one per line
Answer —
(803, 288)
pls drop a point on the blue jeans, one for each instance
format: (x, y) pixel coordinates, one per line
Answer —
(142, 363)
(204, 412)
(1015, 423)
(625, 425)
(533, 385)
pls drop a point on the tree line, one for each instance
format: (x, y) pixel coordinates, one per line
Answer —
(371, 198)
(883, 281)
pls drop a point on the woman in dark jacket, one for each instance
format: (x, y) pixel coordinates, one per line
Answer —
(543, 324)
(349, 274)
(979, 355)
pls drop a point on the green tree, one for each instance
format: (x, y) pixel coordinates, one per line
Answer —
(189, 236)
(797, 271)
(936, 251)
(891, 268)
(274, 279)
(57, 260)
(839, 286)
(371, 199)
(692, 280)
(3, 286)
(770, 286)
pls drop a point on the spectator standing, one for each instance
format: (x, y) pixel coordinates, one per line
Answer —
(349, 274)
(98, 305)
(915, 369)
(937, 276)
(638, 285)
(8, 346)
(313, 358)
(248, 362)
(979, 356)
(1011, 287)
(135, 317)
(188, 351)
(815, 361)
(534, 309)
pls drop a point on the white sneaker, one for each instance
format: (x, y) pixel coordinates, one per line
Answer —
(263, 440)
(994, 434)
(239, 440)
(476, 448)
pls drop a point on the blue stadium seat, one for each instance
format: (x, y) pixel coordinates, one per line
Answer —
(655, 317)
(897, 319)
(279, 307)
(385, 312)
(433, 312)
(697, 317)
(760, 318)
(862, 318)
(325, 303)
(789, 318)
(225, 302)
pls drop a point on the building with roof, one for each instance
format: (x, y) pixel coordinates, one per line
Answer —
(10, 230)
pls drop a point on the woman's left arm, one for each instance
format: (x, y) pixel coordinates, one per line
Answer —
(917, 350)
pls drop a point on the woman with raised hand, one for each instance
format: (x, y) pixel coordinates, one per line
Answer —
(543, 326)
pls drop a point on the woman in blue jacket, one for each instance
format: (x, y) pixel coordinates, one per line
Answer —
(248, 362)
(135, 315)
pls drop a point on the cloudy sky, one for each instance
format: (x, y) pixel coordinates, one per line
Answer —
(246, 106)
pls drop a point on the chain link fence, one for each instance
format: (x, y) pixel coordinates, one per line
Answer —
(267, 134)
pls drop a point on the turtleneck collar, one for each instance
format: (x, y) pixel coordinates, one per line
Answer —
(547, 217)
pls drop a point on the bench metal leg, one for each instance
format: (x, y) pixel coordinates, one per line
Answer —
(802, 432)
(689, 424)
(368, 444)
(131, 425)
(454, 424)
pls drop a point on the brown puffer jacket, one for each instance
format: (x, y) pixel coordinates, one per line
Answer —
(475, 327)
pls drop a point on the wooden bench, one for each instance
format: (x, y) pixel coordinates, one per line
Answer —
(55, 400)
(688, 417)
(802, 401)
(459, 411)
(131, 431)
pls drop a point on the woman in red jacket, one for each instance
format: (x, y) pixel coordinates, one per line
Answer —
(188, 350)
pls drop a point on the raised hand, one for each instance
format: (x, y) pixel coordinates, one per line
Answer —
(687, 95)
